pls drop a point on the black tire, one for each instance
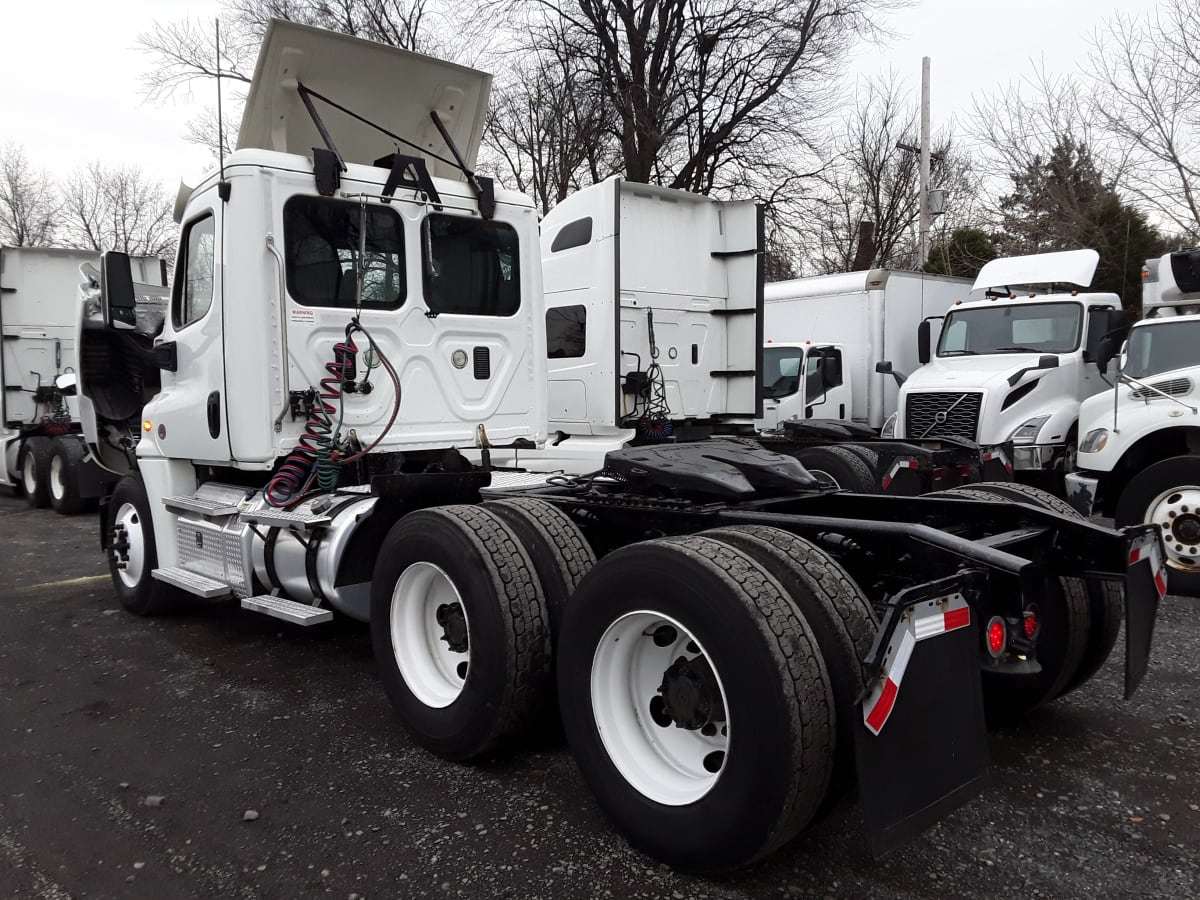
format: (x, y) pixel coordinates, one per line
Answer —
(841, 619)
(31, 469)
(839, 465)
(560, 553)
(62, 476)
(133, 553)
(866, 454)
(506, 681)
(1064, 617)
(767, 661)
(1106, 599)
(1133, 508)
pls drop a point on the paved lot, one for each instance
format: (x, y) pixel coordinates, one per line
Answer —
(131, 750)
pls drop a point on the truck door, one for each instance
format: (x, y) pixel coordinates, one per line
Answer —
(189, 413)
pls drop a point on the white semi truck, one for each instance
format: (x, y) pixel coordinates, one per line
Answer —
(1014, 366)
(1139, 455)
(42, 453)
(733, 644)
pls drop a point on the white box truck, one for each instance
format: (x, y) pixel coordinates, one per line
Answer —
(41, 449)
(867, 317)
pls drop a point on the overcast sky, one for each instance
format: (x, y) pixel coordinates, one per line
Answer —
(70, 90)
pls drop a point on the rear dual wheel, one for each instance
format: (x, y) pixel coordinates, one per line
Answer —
(696, 699)
(32, 467)
(465, 601)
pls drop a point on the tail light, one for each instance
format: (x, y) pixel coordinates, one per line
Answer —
(997, 636)
(1031, 623)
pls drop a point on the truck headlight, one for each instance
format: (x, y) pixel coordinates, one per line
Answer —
(1094, 441)
(1027, 431)
(889, 427)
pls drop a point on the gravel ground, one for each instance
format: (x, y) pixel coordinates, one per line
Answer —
(218, 753)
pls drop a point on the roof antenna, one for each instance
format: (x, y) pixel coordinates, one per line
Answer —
(222, 184)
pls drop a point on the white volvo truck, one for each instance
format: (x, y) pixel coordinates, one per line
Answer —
(734, 645)
(42, 453)
(1139, 456)
(1014, 366)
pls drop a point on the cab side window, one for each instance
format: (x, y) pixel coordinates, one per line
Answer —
(193, 292)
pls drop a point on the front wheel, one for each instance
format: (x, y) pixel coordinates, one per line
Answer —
(1167, 495)
(132, 552)
(695, 702)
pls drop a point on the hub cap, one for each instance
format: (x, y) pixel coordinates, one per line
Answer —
(128, 545)
(824, 478)
(660, 708)
(430, 634)
(1177, 514)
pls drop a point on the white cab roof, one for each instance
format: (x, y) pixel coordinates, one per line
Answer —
(393, 88)
(1064, 267)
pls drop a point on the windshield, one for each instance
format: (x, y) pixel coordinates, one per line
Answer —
(1027, 328)
(1161, 348)
(781, 371)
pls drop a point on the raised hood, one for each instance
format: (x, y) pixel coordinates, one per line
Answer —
(1064, 267)
(393, 88)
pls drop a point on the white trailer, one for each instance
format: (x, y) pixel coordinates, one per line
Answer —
(726, 635)
(41, 450)
(870, 316)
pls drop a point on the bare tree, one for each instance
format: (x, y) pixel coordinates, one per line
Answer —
(702, 91)
(1146, 78)
(28, 201)
(548, 128)
(876, 179)
(117, 208)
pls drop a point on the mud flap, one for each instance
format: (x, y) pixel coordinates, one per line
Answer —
(1145, 587)
(921, 744)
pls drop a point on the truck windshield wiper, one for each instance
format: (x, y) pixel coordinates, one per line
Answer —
(1016, 350)
(959, 353)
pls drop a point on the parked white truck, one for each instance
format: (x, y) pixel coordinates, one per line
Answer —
(345, 318)
(859, 318)
(1014, 367)
(42, 453)
(1139, 457)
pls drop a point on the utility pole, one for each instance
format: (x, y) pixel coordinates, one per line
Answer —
(923, 236)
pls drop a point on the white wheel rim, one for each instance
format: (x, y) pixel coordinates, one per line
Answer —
(29, 474)
(135, 556)
(57, 483)
(665, 763)
(1176, 512)
(824, 478)
(433, 671)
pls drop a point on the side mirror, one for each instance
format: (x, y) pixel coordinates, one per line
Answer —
(1047, 361)
(831, 370)
(116, 289)
(1105, 351)
(923, 335)
(885, 368)
(66, 384)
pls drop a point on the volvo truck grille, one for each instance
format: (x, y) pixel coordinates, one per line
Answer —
(942, 414)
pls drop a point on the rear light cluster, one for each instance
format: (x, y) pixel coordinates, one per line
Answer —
(997, 638)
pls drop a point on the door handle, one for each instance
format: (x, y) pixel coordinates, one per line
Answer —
(214, 414)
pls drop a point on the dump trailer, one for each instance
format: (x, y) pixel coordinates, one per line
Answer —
(42, 451)
(733, 645)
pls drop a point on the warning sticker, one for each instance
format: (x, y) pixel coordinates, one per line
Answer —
(302, 316)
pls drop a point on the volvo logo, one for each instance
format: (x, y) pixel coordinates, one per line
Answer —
(940, 419)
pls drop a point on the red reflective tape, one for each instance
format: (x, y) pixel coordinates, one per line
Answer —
(958, 618)
(883, 707)
(1134, 555)
(886, 482)
(1161, 583)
